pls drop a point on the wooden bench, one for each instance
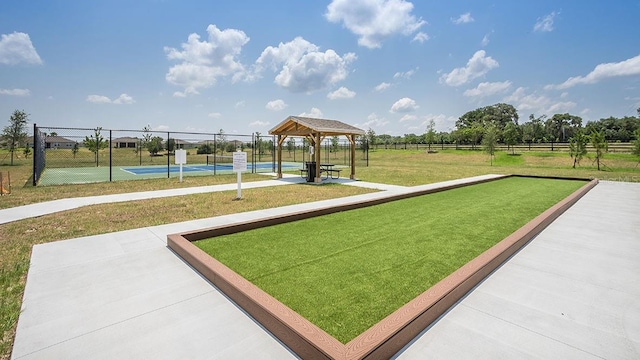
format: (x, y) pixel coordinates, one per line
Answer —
(303, 173)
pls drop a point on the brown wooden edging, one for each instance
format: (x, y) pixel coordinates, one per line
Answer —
(389, 335)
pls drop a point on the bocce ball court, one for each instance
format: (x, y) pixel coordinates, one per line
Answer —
(361, 279)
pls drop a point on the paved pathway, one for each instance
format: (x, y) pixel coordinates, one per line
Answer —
(126, 295)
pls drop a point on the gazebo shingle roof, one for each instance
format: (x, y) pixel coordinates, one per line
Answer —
(298, 125)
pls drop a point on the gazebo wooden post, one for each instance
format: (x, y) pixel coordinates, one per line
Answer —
(281, 139)
(317, 147)
(352, 140)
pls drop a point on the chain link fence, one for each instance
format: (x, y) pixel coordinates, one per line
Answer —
(65, 155)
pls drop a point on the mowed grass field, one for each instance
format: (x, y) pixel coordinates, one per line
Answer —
(400, 167)
(347, 271)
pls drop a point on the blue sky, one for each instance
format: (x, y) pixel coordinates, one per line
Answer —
(244, 66)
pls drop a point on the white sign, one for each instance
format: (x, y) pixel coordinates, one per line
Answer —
(181, 156)
(239, 161)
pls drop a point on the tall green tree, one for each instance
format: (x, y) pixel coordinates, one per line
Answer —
(498, 115)
(511, 134)
(430, 135)
(600, 145)
(16, 133)
(578, 147)
(561, 127)
(369, 139)
(490, 141)
(291, 144)
(636, 143)
(154, 145)
(95, 143)
(222, 141)
(75, 149)
(335, 144)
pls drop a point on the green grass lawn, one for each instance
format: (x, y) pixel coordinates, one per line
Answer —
(347, 271)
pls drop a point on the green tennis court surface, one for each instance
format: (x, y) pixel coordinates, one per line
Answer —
(81, 175)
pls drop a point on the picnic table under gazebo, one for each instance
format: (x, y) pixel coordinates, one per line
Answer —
(315, 131)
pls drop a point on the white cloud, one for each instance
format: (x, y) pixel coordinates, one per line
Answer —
(373, 121)
(485, 40)
(545, 23)
(404, 105)
(405, 75)
(203, 62)
(408, 117)
(629, 67)
(374, 20)
(421, 37)
(259, 123)
(485, 89)
(276, 105)
(101, 99)
(302, 67)
(240, 104)
(314, 113)
(15, 92)
(98, 99)
(382, 86)
(463, 19)
(214, 115)
(534, 103)
(341, 93)
(585, 111)
(16, 48)
(161, 128)
(477, 66)
(124, 99)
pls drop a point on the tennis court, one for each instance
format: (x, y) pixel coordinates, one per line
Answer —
(82, 175)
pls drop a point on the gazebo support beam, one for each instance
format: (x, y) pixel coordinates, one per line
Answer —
(281, 139)
(352, 140)
(317, 147)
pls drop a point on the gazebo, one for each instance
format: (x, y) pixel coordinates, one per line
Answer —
(315, 130)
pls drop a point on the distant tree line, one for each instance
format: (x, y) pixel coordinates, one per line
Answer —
(471, 127)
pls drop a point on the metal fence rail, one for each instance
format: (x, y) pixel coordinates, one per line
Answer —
(64, 155)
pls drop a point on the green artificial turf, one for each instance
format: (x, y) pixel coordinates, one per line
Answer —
(346, 271)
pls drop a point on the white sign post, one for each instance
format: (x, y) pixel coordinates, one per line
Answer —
(239, 165)
(180, 158)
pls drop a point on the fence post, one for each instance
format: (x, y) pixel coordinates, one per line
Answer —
(110, 158)
(35, 151)
(168, 157)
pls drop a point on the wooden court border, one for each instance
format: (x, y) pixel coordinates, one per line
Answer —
(392, 333)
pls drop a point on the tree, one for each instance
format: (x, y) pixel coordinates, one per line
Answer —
(430, 135)
(222, 141)
(75, 149)
(498, 114)
(146, 137)
(154, 146)
(511, 135)
(369, 139)
(291, 145)
(636, 143)
(16, 133)
(563, 126)
(95, 143)
(578, 147)
(599, 144)
(171, 145)
(27, 151)
(204, 149)
(490, 141)
(335, 144)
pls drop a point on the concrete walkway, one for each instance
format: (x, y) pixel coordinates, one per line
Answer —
(50, 207)
(126, 295)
